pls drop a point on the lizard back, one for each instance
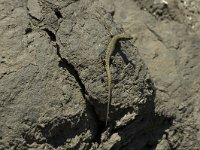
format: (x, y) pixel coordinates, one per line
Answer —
(109, 51)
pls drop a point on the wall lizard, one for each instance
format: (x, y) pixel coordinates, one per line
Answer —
(109, 51)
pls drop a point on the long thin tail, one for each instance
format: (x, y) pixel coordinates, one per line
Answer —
(109, 100)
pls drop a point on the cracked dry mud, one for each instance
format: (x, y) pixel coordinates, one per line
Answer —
(53, 83)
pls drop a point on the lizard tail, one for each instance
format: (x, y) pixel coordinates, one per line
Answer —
(109, 100)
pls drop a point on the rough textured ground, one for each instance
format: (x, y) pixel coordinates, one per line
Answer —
(53, 84)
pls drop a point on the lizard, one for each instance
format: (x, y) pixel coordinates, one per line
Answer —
(109, 51)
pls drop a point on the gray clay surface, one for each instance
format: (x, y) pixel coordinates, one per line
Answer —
(53, 84)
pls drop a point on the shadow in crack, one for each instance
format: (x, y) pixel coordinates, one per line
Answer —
(100, 126)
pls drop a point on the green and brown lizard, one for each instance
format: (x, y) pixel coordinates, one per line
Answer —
(109, 51)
